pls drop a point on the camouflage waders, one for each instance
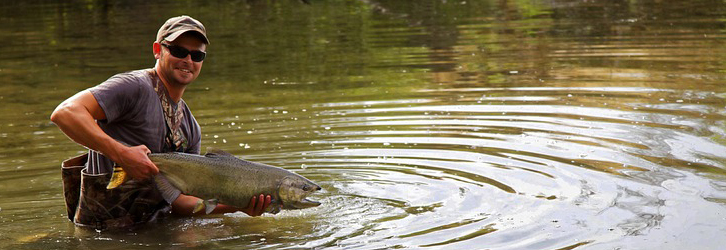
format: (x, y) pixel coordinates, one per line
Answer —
(90, 204)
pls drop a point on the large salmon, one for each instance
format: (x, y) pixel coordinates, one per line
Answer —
(221, 177)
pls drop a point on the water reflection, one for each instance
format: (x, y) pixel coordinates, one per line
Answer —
(429, 124)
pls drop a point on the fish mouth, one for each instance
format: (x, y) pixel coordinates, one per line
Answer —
(306, 203)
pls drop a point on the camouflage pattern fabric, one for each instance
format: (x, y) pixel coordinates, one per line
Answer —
(173, 116)
(90, 204)
(71, 172)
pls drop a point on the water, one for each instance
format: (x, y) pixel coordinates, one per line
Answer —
(430, 124)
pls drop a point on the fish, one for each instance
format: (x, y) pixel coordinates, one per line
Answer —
(220, 177)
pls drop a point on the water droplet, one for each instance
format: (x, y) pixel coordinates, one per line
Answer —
(303, 166)
(386, 144)
(216, 136)
(327, 128)
(224, 140)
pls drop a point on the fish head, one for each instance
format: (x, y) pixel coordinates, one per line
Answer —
(294, 190)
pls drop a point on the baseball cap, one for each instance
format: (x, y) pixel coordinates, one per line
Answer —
(176, 26)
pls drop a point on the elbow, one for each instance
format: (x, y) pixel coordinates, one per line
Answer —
(55, 116)
(59, 114)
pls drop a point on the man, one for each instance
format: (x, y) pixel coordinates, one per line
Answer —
(142, 108)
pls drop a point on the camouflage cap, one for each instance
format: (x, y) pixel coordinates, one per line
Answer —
(176, 26)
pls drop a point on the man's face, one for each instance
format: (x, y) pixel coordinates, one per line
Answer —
(179, 71)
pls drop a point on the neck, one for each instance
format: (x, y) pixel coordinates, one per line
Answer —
(175, 90)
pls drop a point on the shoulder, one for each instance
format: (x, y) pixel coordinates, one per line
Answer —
(123, 93)
(127, 84)
(138, 78)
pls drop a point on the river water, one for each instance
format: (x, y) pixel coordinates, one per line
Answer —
(430, 124)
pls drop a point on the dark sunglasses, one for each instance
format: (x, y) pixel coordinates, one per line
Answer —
(181, 52)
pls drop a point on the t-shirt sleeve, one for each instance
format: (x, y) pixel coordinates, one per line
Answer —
(117, 95)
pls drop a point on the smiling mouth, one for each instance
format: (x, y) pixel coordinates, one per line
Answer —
(185, 71)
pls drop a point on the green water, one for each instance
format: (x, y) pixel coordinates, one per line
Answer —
(430, 124)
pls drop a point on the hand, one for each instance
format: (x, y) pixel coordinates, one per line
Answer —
(135, 161)
(258, 205)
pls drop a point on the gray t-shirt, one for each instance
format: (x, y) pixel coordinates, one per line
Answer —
(134, 116)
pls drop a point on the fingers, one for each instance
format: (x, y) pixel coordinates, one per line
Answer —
(258, 204)
(153, 168)
(252, 205)
(268, 201)
(135, 160)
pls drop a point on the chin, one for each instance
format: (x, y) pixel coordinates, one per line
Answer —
(184, 80)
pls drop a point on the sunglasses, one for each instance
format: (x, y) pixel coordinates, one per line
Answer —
(181, 52)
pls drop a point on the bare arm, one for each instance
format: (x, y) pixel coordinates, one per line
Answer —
(184, 205)
(77, 116)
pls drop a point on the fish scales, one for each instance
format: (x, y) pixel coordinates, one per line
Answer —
(235, 180)
(221, 177)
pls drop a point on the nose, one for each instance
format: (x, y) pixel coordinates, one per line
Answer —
(188, 58)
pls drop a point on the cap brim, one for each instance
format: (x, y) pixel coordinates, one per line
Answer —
(173, 36)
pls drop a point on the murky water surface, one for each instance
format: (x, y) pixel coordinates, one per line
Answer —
(431, 124)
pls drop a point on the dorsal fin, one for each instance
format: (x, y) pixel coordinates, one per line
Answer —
(215, 152)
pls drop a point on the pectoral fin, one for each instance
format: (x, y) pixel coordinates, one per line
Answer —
(207, 205)
(118, 177)
(274, 209)
(199, 206)
(210, 205)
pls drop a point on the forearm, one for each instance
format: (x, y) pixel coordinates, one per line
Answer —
(80, 127)
(184, 205)
(78, 124)
(77, 116)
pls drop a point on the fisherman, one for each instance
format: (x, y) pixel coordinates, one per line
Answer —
(127, 117)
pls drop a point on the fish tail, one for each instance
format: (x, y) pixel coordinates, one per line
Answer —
(118, 177)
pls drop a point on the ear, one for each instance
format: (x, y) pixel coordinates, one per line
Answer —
(157, 50)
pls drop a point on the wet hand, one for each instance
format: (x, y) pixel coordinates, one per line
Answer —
(135, 161)
(258, 205)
